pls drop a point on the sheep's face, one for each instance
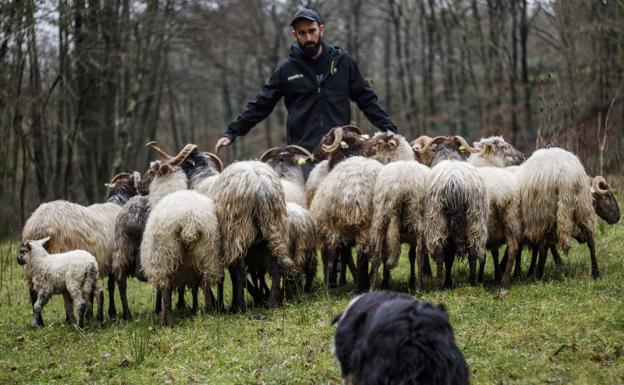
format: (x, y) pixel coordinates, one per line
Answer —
(605, 204)
(26, 248)
(123, 187)
(343, 142)
(24, 253)
(148, 176)
(450, 148)
(382, 147)
(497, 147)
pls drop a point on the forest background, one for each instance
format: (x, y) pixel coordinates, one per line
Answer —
(85, 83)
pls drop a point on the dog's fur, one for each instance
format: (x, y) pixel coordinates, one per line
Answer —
(390, 338)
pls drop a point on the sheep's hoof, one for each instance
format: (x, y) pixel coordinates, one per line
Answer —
(127, 317)
(36, 324)
(112, 314)
(596, 274)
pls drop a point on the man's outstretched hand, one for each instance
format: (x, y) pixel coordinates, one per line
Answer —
(223, 141)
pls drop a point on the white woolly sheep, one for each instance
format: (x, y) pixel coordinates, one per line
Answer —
(556, 202)
(397, 212)
(250, 206)
(72, 226)
(496, 152)
(73, 274)
(504, 223)
(456, 215)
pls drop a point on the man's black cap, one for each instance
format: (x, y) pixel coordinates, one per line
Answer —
(306, 14)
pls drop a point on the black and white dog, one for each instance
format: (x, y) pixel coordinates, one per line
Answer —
(391, 338)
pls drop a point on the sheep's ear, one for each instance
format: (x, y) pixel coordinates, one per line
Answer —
(43, 242)
(488, 149)
(164, 169)
(28, 245)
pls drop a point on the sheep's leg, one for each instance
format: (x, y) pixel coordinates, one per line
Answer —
(374, 272)
(194, 293)
(362, 271)
(90, 306)
(33, 300)
(220, 304)
(497, 266)
(482, 268)
(309, 276)
(238, 274)
(412, 261)
(81, 306)
(158, 305)
(427, 266)
(166, 307)
(69, 308)
(518, 256)
(42, 299)
(181, 305)
(274, 297)
(589, 235)
(121, 283)
(328, 266)
(209, 300)
(439, 260)
(112, 312)
(385, 284)
(472, 267)
(421, 263)
(533, 260)
(449, 259)
(100, 301)
(510, 251)
(555, 254)
(543, 252)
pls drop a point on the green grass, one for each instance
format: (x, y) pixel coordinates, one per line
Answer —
(566, 329)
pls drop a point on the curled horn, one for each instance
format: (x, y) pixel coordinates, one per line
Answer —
(218, 160)
(466, 145)
(117, 177)
(597, 182)
(338, 134)
(184, 153)
(269, 153)
(300, 150)
(419, 144)
(159, 151)
(353, 128)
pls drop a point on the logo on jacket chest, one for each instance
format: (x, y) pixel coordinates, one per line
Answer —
(295, 76)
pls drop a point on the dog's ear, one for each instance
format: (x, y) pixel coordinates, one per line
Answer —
(336, 319)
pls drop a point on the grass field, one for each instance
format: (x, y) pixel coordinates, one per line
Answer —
(566, 329)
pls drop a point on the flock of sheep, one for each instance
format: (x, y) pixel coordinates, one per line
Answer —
(187, 218)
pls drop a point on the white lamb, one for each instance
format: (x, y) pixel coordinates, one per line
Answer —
(73, 274)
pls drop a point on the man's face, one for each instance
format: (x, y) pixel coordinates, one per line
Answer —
(308, 34)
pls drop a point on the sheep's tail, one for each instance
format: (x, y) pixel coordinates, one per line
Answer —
(393, 242)
(270, 215)
(189, 232)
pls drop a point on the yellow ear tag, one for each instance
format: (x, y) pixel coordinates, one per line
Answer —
(462, 148)
(301, 161)
(365, 136)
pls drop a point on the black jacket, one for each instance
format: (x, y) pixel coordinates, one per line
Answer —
(314, 106)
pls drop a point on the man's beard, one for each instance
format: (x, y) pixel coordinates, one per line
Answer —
(310, 48)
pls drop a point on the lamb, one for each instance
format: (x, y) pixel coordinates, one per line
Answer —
(397, 208)
(181, 243)
(73, 274)
(250, 206)
(496, 152)
(456, 209)
(391, 338)
(72, 226)
(556, 203)
(286, 162)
